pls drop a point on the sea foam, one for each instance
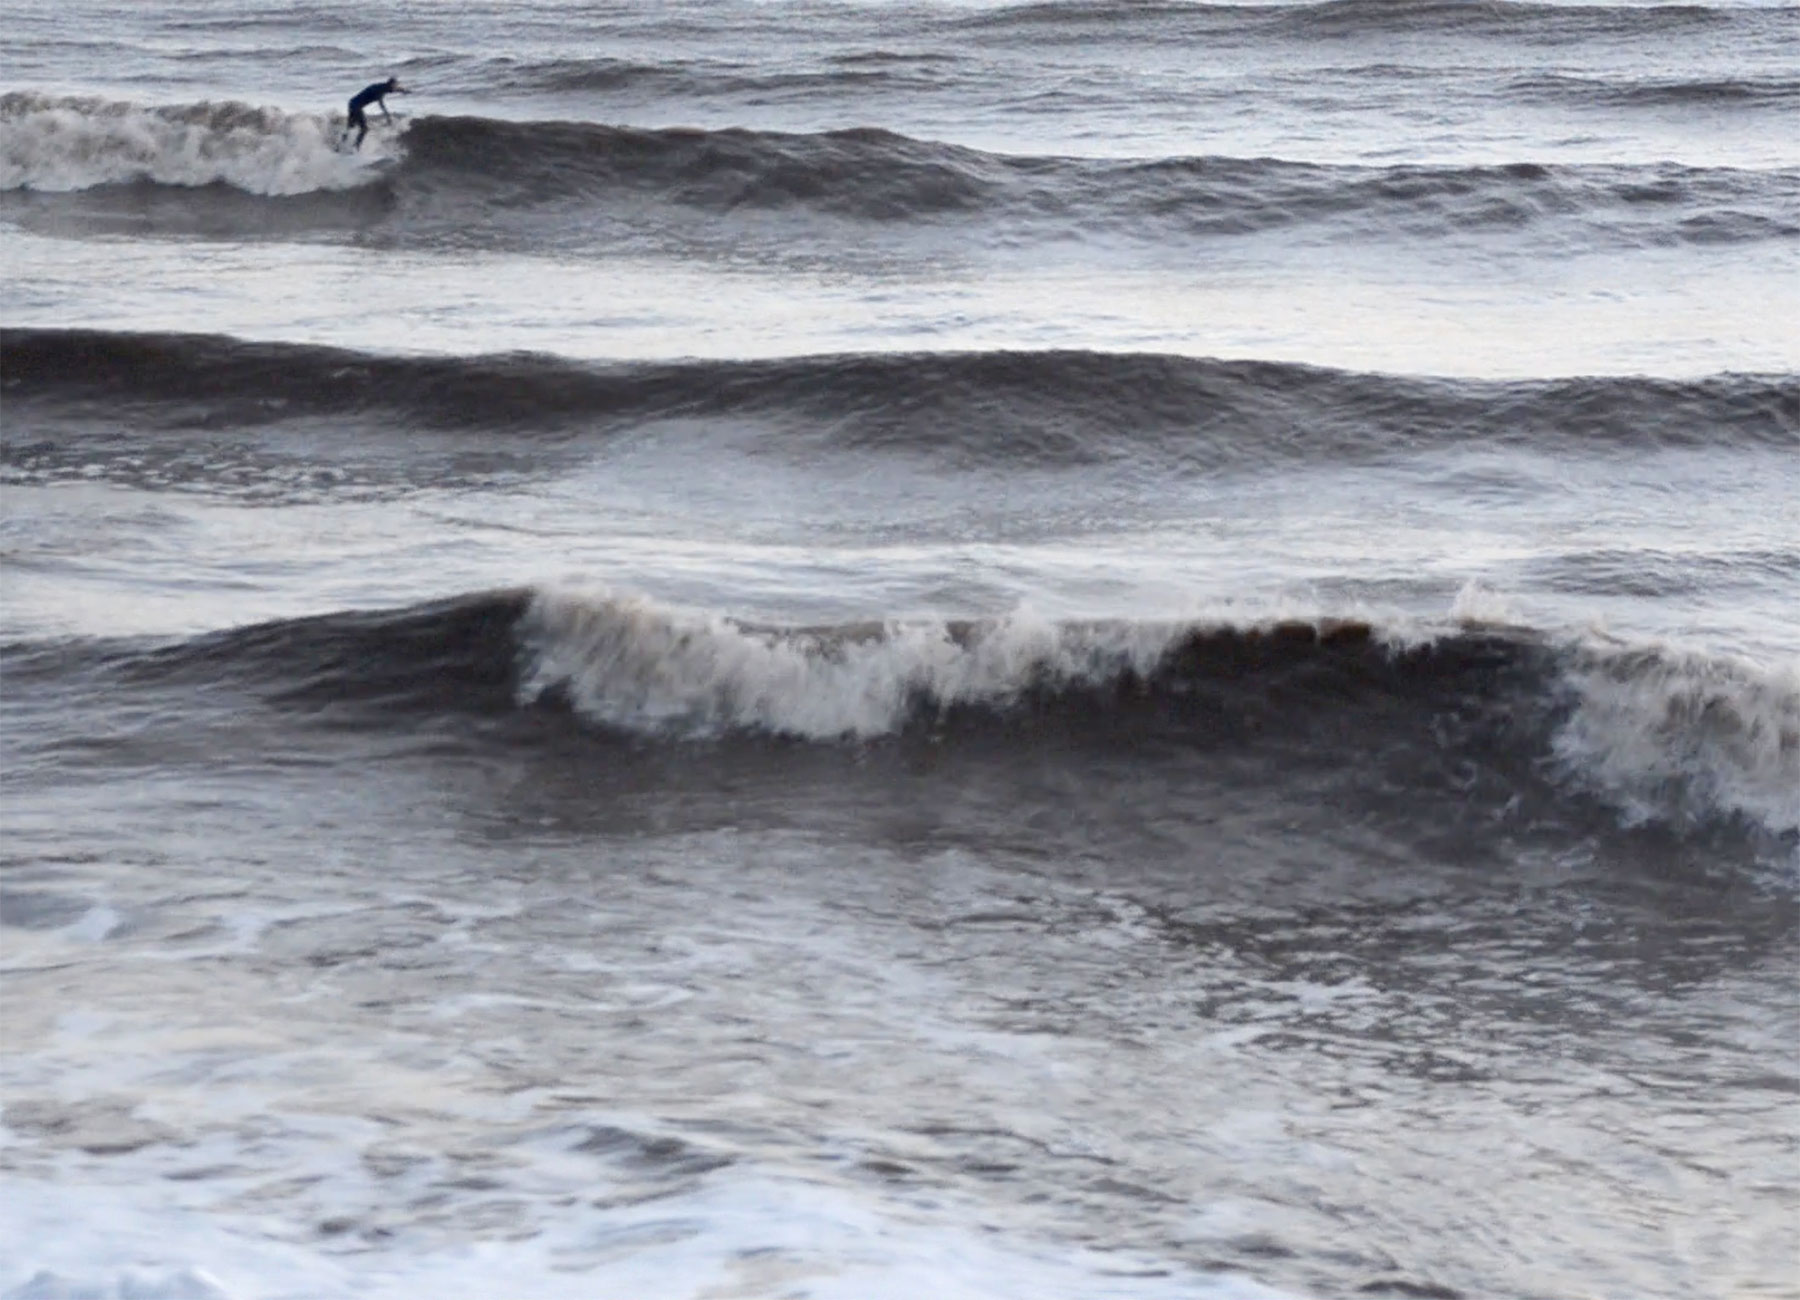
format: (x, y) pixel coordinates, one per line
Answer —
(627, 661)
(1663, 735)
(64, 143)
(1683, 736)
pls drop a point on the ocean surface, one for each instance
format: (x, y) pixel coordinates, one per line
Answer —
(851, 650)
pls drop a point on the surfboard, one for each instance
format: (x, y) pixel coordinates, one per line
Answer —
(378, 128)
(346, 144)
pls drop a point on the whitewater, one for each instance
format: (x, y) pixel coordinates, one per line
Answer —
(840, 650)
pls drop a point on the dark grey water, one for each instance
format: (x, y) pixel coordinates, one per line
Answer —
(849, 650)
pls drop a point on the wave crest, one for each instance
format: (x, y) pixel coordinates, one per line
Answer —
(1681, 739)
(1506, 730)
(64, 143)
(1678, 736)
(631, 663)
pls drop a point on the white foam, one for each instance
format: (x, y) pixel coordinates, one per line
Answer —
(63, 143)
(630, 662)
(1672, 734)
(1479, 605)
(134, 1284)
(1663, 733)
(739, 1235)
(96, 924)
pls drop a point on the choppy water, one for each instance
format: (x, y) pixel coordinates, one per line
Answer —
(850, 650)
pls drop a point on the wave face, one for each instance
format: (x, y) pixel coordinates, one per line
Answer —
(1508, 718)
(496, 181)
(66, 387)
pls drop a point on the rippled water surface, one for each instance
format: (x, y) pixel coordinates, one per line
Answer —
(852, 650)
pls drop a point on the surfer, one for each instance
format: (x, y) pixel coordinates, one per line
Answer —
(376, 95)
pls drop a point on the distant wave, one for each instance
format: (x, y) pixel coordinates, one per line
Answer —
(1773, 92)
(237, 170)
(1676, 738)
(700, 79)
(1535, 23)
(1509, 17)
(66, 388)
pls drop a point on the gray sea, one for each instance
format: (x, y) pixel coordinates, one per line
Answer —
(851, 650)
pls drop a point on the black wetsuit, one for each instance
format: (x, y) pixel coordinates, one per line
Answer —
(368, 95)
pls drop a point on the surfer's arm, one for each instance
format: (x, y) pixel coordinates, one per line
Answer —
(384, 113)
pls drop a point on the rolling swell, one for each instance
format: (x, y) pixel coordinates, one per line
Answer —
(869, 174)
(1491, 717)
(1563, 88)
(1517, 20)
(874, 175)
(701, 79)
(1006, 408)
(236, 170)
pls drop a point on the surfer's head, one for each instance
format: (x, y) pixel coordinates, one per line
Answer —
(393, 83)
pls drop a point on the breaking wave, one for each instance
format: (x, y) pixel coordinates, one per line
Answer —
(1663, 735)
(1462, 710)
(64, 143)
(1659, 735)
(220, 166)
(1673, 735)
